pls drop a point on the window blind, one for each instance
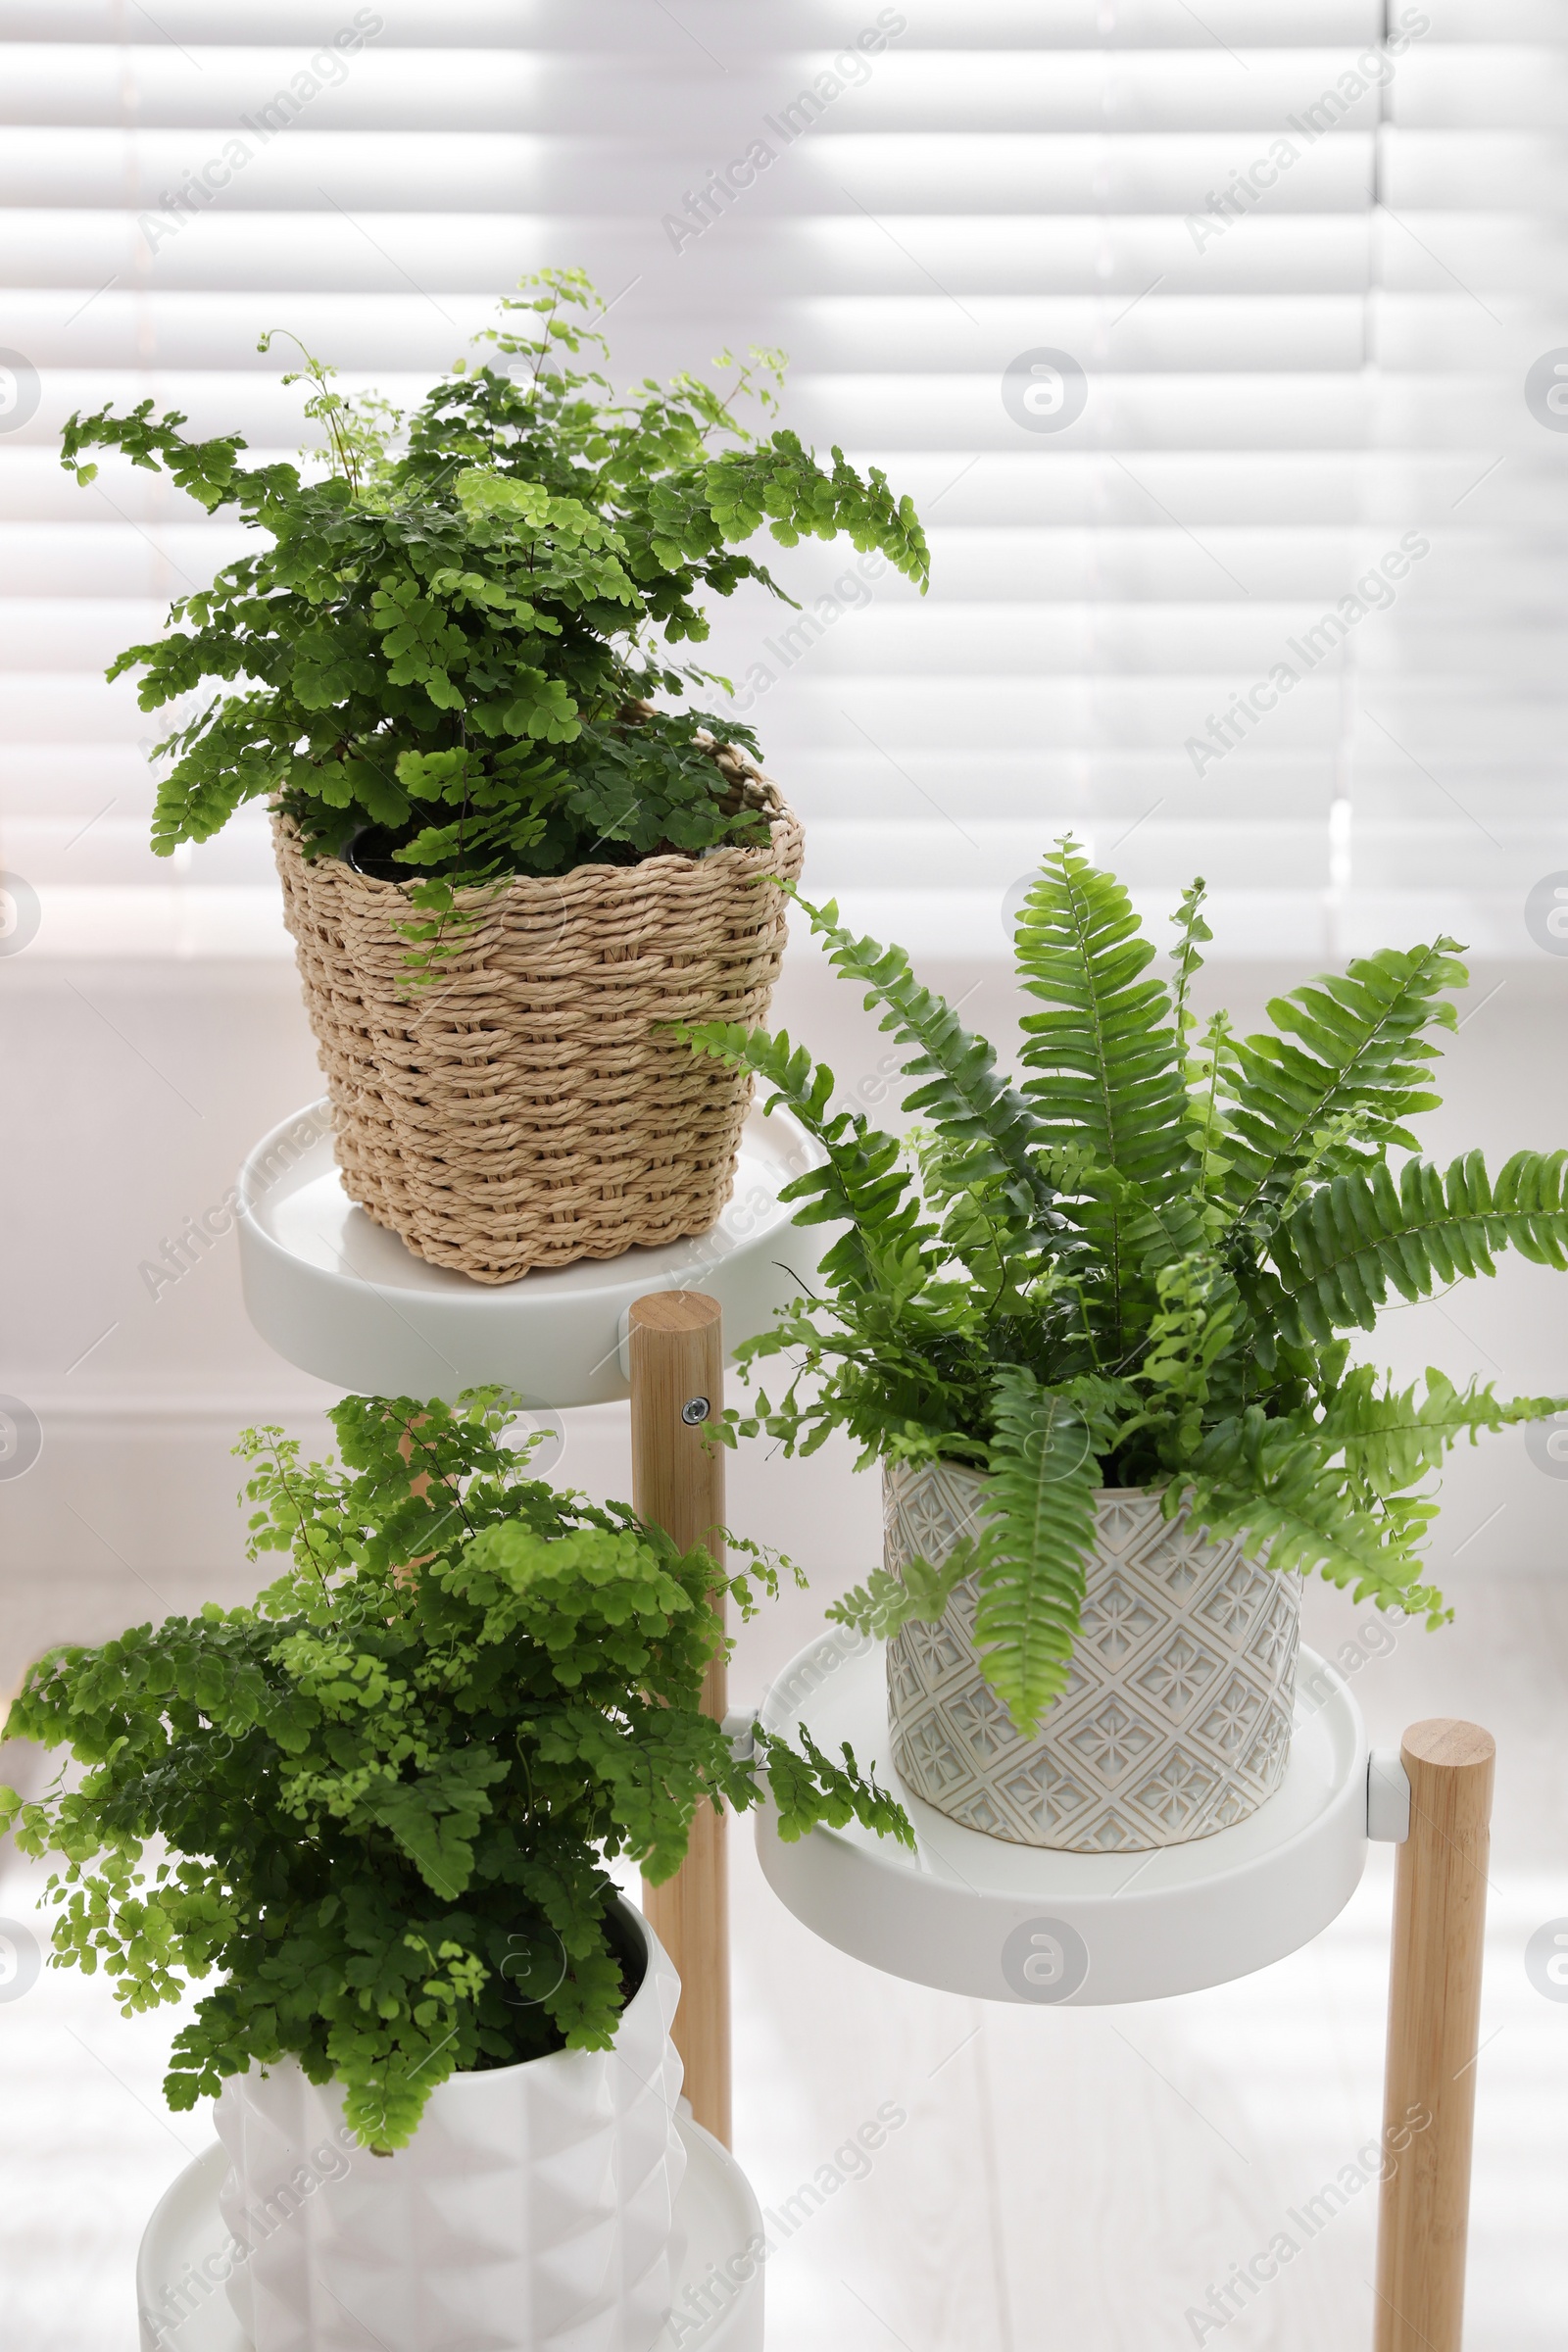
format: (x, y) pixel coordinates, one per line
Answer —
(1202, 339)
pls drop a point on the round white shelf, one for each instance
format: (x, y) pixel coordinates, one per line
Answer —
(979, 1915)
(341, 1296)
(719, 2303)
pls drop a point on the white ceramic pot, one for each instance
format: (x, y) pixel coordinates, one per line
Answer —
(1176, 1719)
(533, 2207)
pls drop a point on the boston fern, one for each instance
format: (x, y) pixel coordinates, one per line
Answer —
(385, 1792)
(1132, 1267)
(446, 645)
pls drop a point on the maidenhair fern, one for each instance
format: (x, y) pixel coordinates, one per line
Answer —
(356, 1802)
(441, 653)
(1132, 1268)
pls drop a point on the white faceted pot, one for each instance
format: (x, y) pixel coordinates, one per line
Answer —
(1176, 1718)
(533, 2207)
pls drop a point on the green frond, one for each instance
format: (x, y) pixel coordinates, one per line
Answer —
(961, 1095)
(919, 1593)
(1105, 1057)
(1211, 1070)
(1193, 934)
(811, 1786)
(805, 1085)
(1192, 1328)
(865, 1183)
(1351, 1067)
(1341, 1248)
(1392, 1439)
(1038, 1533)
(1277, 1490)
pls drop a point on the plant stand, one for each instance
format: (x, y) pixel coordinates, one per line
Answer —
(183, 2263)
(343, 1298)
(677, 1367)
(345, 1301)
(976, 1915)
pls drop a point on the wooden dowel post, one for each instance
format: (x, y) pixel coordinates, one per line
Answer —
(1440, 1909)
(678, 1382)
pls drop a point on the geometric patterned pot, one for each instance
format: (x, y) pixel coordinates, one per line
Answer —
(1176, 1718)
(534, 2204)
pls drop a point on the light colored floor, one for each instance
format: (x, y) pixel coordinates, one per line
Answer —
(1065, 2182)
(1077, 2179)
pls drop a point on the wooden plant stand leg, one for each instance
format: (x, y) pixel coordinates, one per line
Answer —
(1439, 1906)
(678, 1382)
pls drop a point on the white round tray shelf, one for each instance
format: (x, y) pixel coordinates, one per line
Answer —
(341, 1296)
(719, 2304)
(977, 1914)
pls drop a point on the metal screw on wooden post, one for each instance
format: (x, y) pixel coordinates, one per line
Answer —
(677, 1482)
(1439, 1908)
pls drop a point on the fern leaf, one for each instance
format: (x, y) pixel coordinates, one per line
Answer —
(962, 1095)
(1192, 1328)
(809, 1786)
(1393, 1439)
(886, 1603)
(1277, 1490)
(1107, 1081)
(1340, 1250)
(1036, 1540)
(1106, 1056)
(1336, 1088)
(865, 1183)
(1195, 934)
(805, 1086)
(1210, 1076)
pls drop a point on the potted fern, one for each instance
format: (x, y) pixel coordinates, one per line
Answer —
(383, 1796)
(1093, 1327)
(441, 670)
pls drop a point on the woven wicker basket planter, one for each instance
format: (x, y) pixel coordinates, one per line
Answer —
(1176, 1719)
(523, 1111)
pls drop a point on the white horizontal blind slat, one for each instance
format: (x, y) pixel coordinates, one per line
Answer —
(1284, 382)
